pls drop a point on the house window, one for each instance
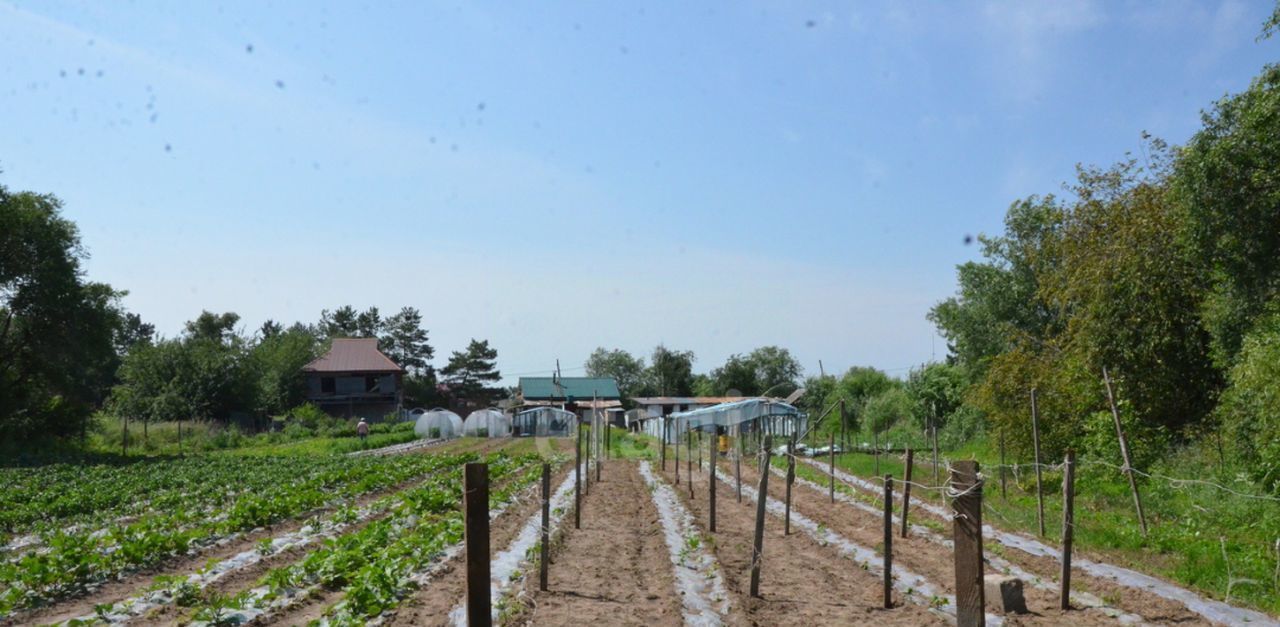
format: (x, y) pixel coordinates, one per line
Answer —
(371, 384)
(327, 386)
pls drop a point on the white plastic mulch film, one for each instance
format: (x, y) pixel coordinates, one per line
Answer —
(544, 422)
(487, 423)
(438, 423)
(772, 417)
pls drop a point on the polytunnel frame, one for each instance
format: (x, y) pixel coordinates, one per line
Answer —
(543, 420)
(767, 416)
(439, 413)
(489, 415)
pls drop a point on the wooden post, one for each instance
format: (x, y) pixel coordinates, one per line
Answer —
(1068, 526)
(888, 541)
(1035, 442)
(1004, 493)
(933, 426)
(711, 470)
(875, 446)
(906, 490)
(967, 536)
(737, 466)
(476, 506)
(664, 443)
(586, 454)
(546, 527)
(791, 477)
(699, 447)
(677, 448)
(831, 475)
(1124, 450)
(599, 445)
(577, 480)
(688, 458)
(757, 547)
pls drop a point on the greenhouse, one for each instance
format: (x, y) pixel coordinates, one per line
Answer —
(544, 421)
(438, 423)
(487, 423)
(756, 414)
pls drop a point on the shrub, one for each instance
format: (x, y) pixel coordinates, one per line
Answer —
(1250, 406)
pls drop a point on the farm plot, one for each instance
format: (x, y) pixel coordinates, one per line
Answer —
(1093, 582)
(181, 509)
(615, 569)
(803, 581)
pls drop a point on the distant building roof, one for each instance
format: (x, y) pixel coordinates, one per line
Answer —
(689, 400)
(352, 354)
(568, 388)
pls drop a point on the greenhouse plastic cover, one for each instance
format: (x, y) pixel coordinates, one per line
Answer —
(738, 412)
(449, 424)
(542, 421)
(495, 423)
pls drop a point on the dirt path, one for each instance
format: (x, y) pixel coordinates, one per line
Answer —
(1043, 604)
(802, 582)
(614, 570)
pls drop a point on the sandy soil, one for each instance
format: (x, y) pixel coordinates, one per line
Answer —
(802, 582)
(616, 569)
(933, 561)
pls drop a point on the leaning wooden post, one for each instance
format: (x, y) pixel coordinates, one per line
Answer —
(906, 490)
(831, 475)
(966, 504)
(1068, 526)
(757, 547)
(1035, 441)
(476, 507)
(791, 477)
(546, 527)
(1124, 450)
(888, 541)
(577, 481)
(711, 470)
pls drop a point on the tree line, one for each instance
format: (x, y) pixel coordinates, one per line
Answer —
(1163, 268)
(68, 347)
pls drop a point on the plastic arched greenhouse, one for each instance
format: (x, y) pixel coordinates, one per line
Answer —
(437, 424)
(544, 421)
(486, 423)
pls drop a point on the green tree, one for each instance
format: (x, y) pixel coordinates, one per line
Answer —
(470, 372)
(885, 409)
(766, 370)
(1250, 408)
(216, 328)
(276, 363)
(59, 334)
(1227, 178)
(405, 341)
(341, 322)
(936, 391)
(626, 369)
(671, 372)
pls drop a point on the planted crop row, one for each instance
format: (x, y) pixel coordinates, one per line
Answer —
(375, 567)
(71, 561)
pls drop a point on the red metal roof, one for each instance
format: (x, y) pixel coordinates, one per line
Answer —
(353, 354)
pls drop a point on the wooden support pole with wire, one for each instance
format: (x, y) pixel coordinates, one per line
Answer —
(1124, 451)
(1035, 441)
(577, 481)
(475, 504)
(545, 557)
(757, 545)
(831, 475)
(711, 495)
(888, 541)
(906, 489)
(791, 478)
(966, 506)
(1068, 527)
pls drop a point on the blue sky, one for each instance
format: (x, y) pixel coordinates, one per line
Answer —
(556, 177)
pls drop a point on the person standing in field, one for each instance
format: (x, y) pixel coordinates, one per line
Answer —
(362, 430)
